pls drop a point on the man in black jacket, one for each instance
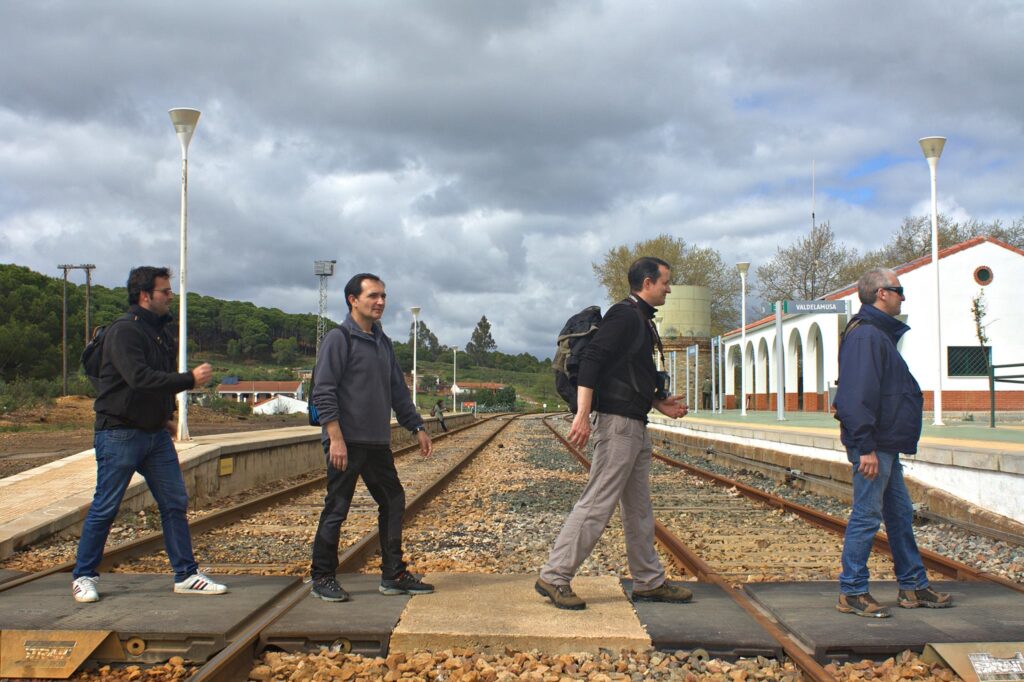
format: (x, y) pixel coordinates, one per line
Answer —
(617, 369)
(879, 408)
(134, 407)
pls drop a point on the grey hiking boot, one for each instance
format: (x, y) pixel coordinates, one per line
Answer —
(929, 598)
(666, 592)
(862, 605)
(561, 596)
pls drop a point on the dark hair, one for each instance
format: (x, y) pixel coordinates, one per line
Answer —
(645, 267)
(143, 278)
(355, 286)
(870, 282)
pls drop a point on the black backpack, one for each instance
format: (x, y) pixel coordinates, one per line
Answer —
(92, 355)
(314, 414)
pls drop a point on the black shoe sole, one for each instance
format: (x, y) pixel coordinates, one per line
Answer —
(393, 591)
(925, 604)
(863, 614)
(544, 593)
(664, 601)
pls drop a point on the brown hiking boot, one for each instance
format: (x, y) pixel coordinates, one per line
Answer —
(561, 596)
(863, 605)
(666, 592)
(929, 598)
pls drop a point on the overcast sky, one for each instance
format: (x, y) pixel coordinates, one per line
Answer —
(480, 156)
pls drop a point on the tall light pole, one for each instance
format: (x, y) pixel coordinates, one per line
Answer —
(743, 267)
(932, 148)
(415, 342)
(184, 121)
(455, 386)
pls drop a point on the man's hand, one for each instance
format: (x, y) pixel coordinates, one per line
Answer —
(579, 434)
(202, 374)
(339, 454)
(868, 466)
(426, 445)
(672, 407)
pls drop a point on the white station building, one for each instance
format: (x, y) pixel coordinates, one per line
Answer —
(981, 265)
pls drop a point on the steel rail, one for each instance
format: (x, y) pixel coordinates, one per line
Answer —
(234, 661)
(704, 573)
(932, 560)
(154, 541)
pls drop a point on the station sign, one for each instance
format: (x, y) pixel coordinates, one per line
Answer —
(812, 307)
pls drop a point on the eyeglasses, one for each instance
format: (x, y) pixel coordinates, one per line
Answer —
(896, 290)
(166, 292)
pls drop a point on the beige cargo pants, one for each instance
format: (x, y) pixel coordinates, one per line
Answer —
(619, 476)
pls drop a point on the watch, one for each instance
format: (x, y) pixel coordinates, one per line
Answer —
(418, 429)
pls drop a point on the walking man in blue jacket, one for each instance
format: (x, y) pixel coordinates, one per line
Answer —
(879, 407)
(357, 382)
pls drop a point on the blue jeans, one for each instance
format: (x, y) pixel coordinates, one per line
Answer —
(119, 454)
(886, 498)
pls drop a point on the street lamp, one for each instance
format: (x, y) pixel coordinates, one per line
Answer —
(184, 121)
(415, 342)
(455, 386)
(932, 148)
(742, 268)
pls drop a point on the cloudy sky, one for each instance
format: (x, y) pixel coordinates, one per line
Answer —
(480, 156)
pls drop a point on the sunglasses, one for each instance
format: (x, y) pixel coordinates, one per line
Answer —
(165, 292)
(896, 290)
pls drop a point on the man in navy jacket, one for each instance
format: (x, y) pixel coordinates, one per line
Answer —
(879, 408)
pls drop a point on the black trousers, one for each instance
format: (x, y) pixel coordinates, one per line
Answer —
(376, 465)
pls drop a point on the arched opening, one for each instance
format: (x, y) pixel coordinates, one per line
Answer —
(817, 400)
(735, 370)
(764, 398)
(795, 371)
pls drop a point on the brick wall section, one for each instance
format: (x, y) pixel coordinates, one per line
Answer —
(975, 400)
(938, 501)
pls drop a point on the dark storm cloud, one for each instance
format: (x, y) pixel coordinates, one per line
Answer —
(481, 155)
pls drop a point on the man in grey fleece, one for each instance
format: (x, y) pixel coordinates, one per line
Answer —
(357, 382)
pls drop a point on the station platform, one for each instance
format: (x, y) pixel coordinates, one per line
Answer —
(495, 612)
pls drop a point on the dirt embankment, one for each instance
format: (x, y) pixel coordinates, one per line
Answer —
(34, 436)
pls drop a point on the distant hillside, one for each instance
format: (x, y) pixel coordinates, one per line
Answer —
(30, 325)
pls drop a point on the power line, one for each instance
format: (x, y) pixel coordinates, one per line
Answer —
(88, 267)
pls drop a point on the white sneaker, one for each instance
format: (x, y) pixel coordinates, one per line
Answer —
(197, 583)
(84, 589)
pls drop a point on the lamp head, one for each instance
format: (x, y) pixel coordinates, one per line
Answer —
(932, 146)
(184, 121)
(743, 267)
(415, 310)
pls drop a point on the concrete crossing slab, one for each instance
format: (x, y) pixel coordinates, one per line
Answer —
(981, 612)
(7, 574)
(492, 612)
(143, 607)
(712, 621)
(361, 625)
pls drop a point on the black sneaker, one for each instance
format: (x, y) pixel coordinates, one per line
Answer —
(328, 589)
(405, 583)
(667, 592)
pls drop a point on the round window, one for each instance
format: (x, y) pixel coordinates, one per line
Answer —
(983, 275)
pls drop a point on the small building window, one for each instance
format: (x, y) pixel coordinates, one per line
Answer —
(983, 275)
(968, 361)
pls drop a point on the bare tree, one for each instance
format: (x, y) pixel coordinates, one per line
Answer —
(810, 268)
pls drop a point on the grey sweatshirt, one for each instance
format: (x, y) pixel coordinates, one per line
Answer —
(360, 388)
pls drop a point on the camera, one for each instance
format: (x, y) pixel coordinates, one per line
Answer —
(663, 385)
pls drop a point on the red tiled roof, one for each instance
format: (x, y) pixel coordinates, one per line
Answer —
(260, 387)
(899, 270)
(481, 384)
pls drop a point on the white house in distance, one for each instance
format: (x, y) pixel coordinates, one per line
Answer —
(280, 404)
(811, 341)
(253, 392)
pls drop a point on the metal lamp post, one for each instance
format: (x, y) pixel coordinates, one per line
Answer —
(455, 386)
(932, 148)
(742, 268)
(415, 342)
(184, 121)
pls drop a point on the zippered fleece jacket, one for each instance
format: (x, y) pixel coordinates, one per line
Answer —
(359, 387)
(138, 380)
(878, 402)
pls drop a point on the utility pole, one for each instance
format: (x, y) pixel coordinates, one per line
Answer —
(88, 267)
